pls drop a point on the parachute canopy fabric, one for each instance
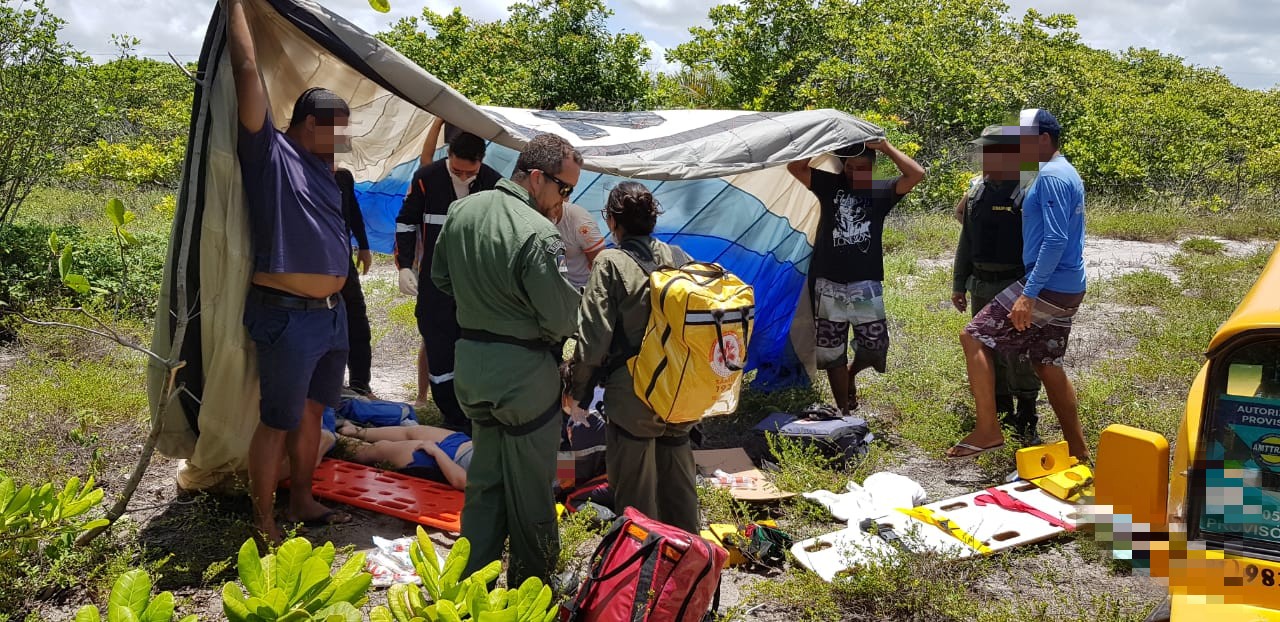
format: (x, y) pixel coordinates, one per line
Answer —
(716, 174)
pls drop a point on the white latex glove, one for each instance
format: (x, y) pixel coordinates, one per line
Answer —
(578, 416)
(408, 282)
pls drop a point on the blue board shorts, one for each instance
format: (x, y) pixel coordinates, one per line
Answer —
(302, 355)
(450, 445)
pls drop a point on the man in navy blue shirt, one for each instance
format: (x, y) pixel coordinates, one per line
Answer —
(301, 259)
(1032, 318)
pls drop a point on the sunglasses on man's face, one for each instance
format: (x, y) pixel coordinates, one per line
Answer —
(565, 189)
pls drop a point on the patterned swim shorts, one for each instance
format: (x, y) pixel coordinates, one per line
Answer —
(860, 304)
(1042, 343)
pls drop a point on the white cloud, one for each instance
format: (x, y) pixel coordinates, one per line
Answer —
(658, 59)
(1236, 35)
(179, 26)
(664, 21)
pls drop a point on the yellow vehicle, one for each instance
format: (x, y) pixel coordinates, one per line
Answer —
(1222, 554)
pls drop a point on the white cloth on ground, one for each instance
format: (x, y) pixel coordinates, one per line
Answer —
(878, 495)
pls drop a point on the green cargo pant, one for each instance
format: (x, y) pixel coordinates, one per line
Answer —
(509, 495)
(654, 476)
(1015, 378)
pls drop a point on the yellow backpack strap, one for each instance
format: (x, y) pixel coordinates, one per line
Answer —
(926, 515)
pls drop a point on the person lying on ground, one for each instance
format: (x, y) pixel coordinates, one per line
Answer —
(422, 451)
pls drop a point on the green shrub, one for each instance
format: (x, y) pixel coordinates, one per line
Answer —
(32, 516)
(453, 599)
(30, 277)
(131, 601)
(576, 530)
(135, 162)
(1204, 246)
(295, 584)
(37, 527)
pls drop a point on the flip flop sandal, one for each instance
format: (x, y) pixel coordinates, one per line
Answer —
(975, 451)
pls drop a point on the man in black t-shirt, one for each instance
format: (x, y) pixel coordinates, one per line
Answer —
(847, 267)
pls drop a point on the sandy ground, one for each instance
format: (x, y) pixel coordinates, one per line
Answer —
(163, 517)
(1107, 258)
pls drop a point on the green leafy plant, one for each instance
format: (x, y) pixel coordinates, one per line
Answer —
(294, 584)
(120, 218)
(131, 601)
(30, 516)
(62, 257)
(446, 597)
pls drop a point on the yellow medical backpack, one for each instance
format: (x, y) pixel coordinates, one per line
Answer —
(695, 345)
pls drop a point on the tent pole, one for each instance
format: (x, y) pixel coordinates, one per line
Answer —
(171, 388)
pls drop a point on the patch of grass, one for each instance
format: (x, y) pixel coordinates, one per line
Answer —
(56, 206)
(927, 235)
(1166, 223)
(403, 315)
(804, 595)
(924, 586)
(718, 506)
(577, 531)
(803, 467)
(66, 572)
(1144, 288)
(65, 409)
(1204, 246)
(1142, 226)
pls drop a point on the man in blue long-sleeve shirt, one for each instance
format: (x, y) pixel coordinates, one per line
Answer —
(1032, 318)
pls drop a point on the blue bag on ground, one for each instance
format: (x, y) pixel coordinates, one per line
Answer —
(377, 413)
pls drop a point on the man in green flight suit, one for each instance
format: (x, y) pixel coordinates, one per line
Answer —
(502, 260)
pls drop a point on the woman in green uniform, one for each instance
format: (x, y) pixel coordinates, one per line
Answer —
(649, 462)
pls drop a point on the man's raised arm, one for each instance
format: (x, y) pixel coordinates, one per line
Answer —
(801, 171)
(250, 94)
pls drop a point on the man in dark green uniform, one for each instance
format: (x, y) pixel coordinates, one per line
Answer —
(989, 259)
(502, 261)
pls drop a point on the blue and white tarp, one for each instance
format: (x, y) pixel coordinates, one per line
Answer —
(757, 223)
(717, 174)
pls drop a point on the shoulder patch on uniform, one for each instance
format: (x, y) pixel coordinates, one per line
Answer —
(555, 246)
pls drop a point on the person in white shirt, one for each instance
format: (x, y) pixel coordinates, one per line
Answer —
(582, 241)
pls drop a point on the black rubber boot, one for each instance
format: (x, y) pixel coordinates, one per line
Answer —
(1027, 422)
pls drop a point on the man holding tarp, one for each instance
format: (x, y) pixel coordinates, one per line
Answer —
(301, 258)
(501, 260)
(847, 267)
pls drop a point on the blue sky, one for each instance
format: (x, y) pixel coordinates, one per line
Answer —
(1237, 35)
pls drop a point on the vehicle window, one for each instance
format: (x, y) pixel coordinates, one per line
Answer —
(1241, 459)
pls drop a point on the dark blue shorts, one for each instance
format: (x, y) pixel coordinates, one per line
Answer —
(302, 355)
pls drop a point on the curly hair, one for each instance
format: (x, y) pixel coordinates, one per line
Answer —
(546, 153)
(633, 208)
